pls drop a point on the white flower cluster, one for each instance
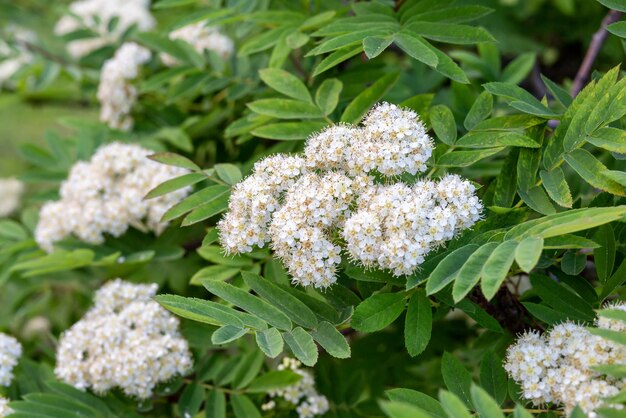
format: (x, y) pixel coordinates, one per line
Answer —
(202, 38)
(107, 19)
(10, 194)
(556, 367)
(126, 340)
(303, 394)
(5, 411)
(105, 195)
(304, 206)
(116, 93)
(15, 55)
(10, 352)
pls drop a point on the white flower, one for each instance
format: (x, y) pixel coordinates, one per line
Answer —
(4, 407)
(202, 38)
(10, 194)
(126, 340)
(106, 195)
(303, 394)
(10, 352)
(557, 366)
(306, 207)
(115, 92)
(108, 19)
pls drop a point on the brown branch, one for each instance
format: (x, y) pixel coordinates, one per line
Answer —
(506, 309)
(592, 52)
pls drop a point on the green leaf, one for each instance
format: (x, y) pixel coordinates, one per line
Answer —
(453, 405)
(378, 311)
(489, 139)
(451, 33)
(466, 158)
(402, 410)
(562, 299)
(485, 405)
(270, 342)
(497, 267)
(418, 323)
(617, 29)
(263, 41)
(215, 405)
(569, 241)
(506, 184)
(537, 199)
(248, 368)
(12, 230)
(604, 257)
(617, 336)
(556, 186)
(215, 254)
(302, 346)
(480, 110)
(331, 340)
(614, 4)
(336, 58)
(272, 380)
(493, 376)
(229, 173)
(248, 303)
(297, 311)
(418, 399)
(327, 95)
(195, 200)
(469, 273)
(456, 377)
(373, 46)
(289, 131)
(285, 83)
(591, 170)
(558, 92)
(207, 210)
(446, 270)
(442, 121)
(527, 166)
(519, 68)
(169, 158)
(198, 310)
(368, 97)
(244, 407)
(416, 48)
(227, 333)
(285, 109)
(611, 139)
(175, 184)
(218, 273)
(528, 252)
(521, 99)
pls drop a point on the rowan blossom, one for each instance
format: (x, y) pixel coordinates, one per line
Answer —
(343, 195)
(5, 411)
(125, 340)
(10, 352)
(116, 93)
(556, 367)
(303, 394)
(11, 191)
(105, 195)
(108, 20)
(202, 38)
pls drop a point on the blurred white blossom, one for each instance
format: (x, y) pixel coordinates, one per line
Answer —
(107, 19)
(10, 352)
(116, 93)
(202, 38)
(126, 340)
(345, 188)
(303, 394)
(106, 195)
(5, 411)
(556, 367)
(11, 191)
(14, 55)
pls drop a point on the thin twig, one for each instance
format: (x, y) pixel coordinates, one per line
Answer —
(43, 52)
(592, 52)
